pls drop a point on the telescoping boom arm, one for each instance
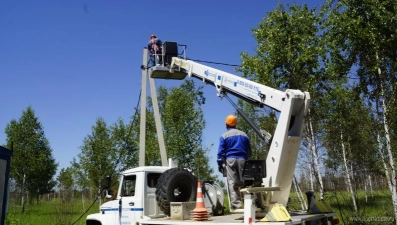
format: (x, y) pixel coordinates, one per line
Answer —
(292, 105)
(250, 91)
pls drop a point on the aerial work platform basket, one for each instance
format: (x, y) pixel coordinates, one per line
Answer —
(162, 69)
(163, 72)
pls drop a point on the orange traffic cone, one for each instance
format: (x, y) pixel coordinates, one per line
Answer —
(200, 213)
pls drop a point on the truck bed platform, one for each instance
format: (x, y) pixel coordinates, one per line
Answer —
(232, 219)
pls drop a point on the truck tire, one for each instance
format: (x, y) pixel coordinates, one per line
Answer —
(175, 185)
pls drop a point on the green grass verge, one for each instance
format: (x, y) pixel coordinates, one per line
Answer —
(52, 212)
(375, 209)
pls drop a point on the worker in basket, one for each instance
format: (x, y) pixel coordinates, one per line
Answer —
(155, 51)
(234, 149)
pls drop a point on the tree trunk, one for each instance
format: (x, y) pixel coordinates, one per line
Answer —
(316, 160)
(82, 199)
(370, 186)
(365, 188)
(387, 174)
(348, 178)
(299, 194)
(23, 202)
(392, 179)
(309, 163)
(99, 196)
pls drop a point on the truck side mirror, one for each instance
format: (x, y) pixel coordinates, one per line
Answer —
(108, 194)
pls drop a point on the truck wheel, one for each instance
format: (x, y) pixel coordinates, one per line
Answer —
(175, 185)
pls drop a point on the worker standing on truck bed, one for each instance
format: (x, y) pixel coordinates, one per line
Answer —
(155, 51)
(234, 149)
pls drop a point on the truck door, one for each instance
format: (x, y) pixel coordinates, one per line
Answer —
(151, 208)
(131, 209)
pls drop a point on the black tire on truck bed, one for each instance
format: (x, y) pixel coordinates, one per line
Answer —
(175, 185)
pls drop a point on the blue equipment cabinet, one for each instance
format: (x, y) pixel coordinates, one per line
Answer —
(5, 158)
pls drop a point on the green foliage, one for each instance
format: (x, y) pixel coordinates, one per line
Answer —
(98, 155)
(105, 152)
(349, 119)
(364, 38)
(288, 49)
(289, 55)
(362, 41)
(33, 165)
(183, 124)
(79, 176)
(319, 52)
(109, 149)
(65, 178)
(126, 143)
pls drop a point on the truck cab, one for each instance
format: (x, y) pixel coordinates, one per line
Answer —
(136, 197)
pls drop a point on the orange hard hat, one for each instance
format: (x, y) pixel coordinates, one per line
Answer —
(231, 120)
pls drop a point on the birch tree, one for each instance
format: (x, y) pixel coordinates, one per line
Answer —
(98, 155)
(66, 184)
(364, 38)
(80, 179)
(33, 165)
(349, 137)
(289, 55)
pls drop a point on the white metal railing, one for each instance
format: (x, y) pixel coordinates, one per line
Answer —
(158, 58)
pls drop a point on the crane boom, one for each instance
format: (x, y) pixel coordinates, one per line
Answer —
(250, 91)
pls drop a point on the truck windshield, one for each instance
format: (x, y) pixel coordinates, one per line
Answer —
(128, 188)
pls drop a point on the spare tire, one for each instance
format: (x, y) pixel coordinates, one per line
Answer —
(175, 185)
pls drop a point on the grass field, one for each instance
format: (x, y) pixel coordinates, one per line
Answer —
(377, 210)
(52, 212)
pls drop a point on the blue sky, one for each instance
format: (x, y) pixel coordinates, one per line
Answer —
(75, 61)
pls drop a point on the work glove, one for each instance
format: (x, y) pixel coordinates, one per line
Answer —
(220, 162)
(220, 169)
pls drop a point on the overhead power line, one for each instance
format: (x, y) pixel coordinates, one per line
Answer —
(218, 63)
